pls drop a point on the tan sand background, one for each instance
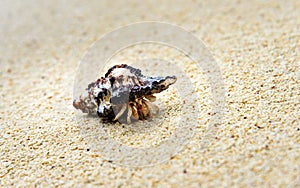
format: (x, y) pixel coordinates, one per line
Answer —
(255, 43)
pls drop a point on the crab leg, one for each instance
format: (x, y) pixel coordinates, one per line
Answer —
(121, 112)
(151, 98)
(135, 112)
(129, 114)
(145, 109)
(153, 108)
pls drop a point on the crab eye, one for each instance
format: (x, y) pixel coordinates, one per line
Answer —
(102, 94)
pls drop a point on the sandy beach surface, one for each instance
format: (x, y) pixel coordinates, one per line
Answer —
(256, 45)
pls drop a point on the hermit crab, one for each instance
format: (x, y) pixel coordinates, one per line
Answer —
(123, 94)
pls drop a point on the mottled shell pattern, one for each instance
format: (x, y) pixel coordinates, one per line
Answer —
(123, 94)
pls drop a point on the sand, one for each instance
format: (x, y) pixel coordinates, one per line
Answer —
(255, 44)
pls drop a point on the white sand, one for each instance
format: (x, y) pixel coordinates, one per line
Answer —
(255, 43)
